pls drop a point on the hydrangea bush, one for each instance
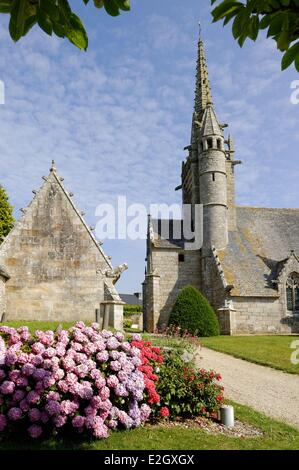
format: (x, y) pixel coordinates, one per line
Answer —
(88, 381)
(82, 378)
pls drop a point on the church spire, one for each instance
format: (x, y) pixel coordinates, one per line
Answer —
(203, 95)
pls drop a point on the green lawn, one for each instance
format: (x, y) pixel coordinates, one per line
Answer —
(272, 351)
(276, 436)
(38, 325)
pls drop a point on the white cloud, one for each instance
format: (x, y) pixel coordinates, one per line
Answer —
(117, 117)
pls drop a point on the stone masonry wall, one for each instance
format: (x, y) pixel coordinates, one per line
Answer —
(262, 315)
(173, 276)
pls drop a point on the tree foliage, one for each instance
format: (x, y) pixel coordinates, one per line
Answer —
(193, 313)
(6, 217)
(54, 17)
(280, 18)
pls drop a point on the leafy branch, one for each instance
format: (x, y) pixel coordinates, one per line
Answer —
(279, 17)
(54, 17)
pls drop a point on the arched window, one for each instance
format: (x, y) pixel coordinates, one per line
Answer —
(293, 293)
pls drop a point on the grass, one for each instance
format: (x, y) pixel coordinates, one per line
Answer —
(38, 325)
(276, 436)
(271, 351)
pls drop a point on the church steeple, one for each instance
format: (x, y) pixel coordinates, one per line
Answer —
(203, 95)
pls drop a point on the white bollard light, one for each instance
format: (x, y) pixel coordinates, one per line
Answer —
(227, 416)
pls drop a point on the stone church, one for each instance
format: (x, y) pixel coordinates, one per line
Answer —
(248, 263)
(53, 268)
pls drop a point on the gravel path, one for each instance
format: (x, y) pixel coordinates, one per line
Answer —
(270, 391)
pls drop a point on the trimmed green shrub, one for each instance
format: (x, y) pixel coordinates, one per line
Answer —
(130, 310)
(187, 391)
(128, 323)
(193, 313)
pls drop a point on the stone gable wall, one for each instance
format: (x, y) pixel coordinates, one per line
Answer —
(52, 261)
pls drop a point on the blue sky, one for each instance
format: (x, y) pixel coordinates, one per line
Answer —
(117, 117)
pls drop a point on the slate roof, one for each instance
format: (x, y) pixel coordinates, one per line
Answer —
(164, 239)
(258, 250)
(130, 299)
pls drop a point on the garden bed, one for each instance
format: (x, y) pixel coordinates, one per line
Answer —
(213, 426)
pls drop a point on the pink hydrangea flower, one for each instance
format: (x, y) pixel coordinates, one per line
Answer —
(33, 397)
(102, 356)
(112, 381)
(35, 431)
(119, 336)
(14, 413)
(115, 366)
(34, 415)
(68, 407)
(24, 405)
(49, 352)
(59, 421)
(78, 421)
(18, 395)
(112, 343)
(104, 393)
(22, 382)
(63, 386)
(38, 348)
(7, 387)
(10, 358)
(28, 369)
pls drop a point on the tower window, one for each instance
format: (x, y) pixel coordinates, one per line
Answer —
(181, 257)
(210, 143)
(219, 144)
(292, 293)
(213, 176)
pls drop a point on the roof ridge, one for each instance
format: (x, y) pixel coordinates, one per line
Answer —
(268, 208)
(53, 171)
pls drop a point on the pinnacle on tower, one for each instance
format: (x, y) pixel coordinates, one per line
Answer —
(203, 95)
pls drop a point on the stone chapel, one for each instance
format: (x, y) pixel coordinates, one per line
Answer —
(248, 265)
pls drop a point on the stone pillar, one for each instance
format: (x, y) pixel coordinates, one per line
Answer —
(4, 277)
(112, 312)
(226, 318)
(151, 310)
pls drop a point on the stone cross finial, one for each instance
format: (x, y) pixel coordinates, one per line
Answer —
(53, 167)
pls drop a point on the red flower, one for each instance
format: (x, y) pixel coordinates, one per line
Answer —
(164, 412)
(150, 357)
(219, 398)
